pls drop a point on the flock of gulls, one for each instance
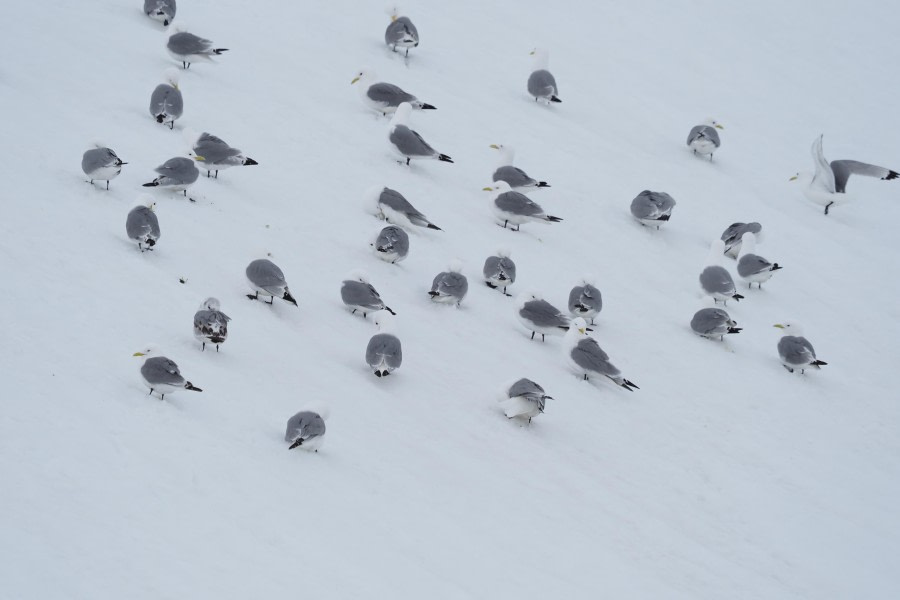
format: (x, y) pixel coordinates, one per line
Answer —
(511, 206)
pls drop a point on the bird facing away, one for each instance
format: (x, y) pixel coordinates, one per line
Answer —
(450, 286)
(407, 142)
(541, 83)
(517, 179)
(142, 225)
(585, 301)
(188, 48)
(652, 208)
(734, 235)
(752, 267)
(514, 208)
(499, 271)
(713, 322)
(102, 164)
(715, 280)
(160, 10)
(384, 353)
(267, 279)
(210, 324)
(829, 183)
(795, 350)
(166, 102)
(400, 32)
(360, 295)
(704, 139)
(161, 374)
(384, 97)
(215, 155)
(586, 358)
(176, 175)
(539, 316)
(392, 244)
(524, 399)
(305, 430)
(391, 206)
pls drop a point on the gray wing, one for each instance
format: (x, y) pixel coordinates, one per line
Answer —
(543, 314)
(518, 204)
(410, 143)
(542, 84)
(708, 321)
(160, 369)
(141, 222)
(588, 355)
(185, 43)
(509, 267)
(213, 149)
(652, 205)
(389, 94)
(451, 284)
(735, 231)
(703, 132)
(401, 30)
(393, 239)
(583, 298)
(161, 7)
(212, 324)
(514, 176)
(796, 350)
(179, 170)
(716, 280)
(97, 158)
(166, 100)
(266, 275)
(751, 264)
(384, 347)
(304, 425)
(492, 269)
(525, 387)
(356, 293)
(843, 169)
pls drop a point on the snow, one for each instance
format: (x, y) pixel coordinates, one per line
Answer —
(723, 476)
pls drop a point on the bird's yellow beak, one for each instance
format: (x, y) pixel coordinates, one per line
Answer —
(778, 325)
(531, 53)
(719, 126)
(488, 189)
(495, 146)
(138, 354)
(582, 330)
(198, 157)
(355, 79)
(393, 18)
(794, 178)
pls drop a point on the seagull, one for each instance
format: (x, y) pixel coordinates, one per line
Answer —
(751, 267)
(391, 206)
(704, 139)
(795, 350)
(517, 179)
(305, 431)
(188, 48)
(585, 356)
(267, 279)
(384, 353)
(160, 10)
(400, 32)
(384, 97)
(161, 374)
(541, 83)
(360, 295)
(733, 235)
(210, 324)
(829, 184)
(515, 208)
(449, 286)
(524, 399)
(214, 154)
(176, 174)
(585, 300)
(712, 322)
(715, 280)
(499, 270)
(142, 225)
(166, 103)
(652, 208)
(407, 142)
(102, 164)
(392, 244)
(539, 316)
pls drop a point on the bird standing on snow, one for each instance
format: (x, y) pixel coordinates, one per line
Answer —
(210, 324)
(407, 142)
(795, 350)
(514, 208)
(751, 267)
(499, 271)
(652, 208)
(160, 10)
(176, 175)
(305, 430)
(524, 399)
(541, 83)
(142, 225)
(517, 179)
(188, 48)
(392, 244)
(391, 206)
(384, 97)
(384, 353)
(829, 184)
(734, 234)
(215, 155)
(449, 286)
(585, 356)
(360, 295)
(712, 322)
(161, 374)
(166, 103)
(539, 316)
(585, 300)
(704, 139)
(267, 279)
(102, 164)
(715, 280)
(400, 32)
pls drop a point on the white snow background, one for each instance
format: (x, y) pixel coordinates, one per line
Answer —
(724, 476)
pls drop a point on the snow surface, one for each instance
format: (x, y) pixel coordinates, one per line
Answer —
(722, 477)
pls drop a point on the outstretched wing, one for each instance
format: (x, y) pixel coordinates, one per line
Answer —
(824, 177)
(843, 169)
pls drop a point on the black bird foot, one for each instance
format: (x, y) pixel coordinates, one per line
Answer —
(253, 296)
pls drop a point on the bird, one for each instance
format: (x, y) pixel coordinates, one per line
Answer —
(176, 174)
(142, 225)
(384, 353)
(384, 97)
(161, 374)
(392, 244)
(516, 208)
(391, 206)
(360, 295)
(160, 10)
(585, 300)
(166, 102)
(539, 316)
(541, 83)
(713, 322)
(715, 280)
(305, 430)
(102, 164)
(795, 350)
(704, 139)
(829, 183)
(524, 399)
(267, 279)
(733, 235)
(517, 179)
(499, 271)
(585, 356)
(752, 267)
(652, 208)
(210, 324)
(400, 32)
(188, 48)
(407, 142)
(450, 286)
(215, 155)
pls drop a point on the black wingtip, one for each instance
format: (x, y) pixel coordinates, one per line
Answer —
(160, 118)
(445, 158)
(428, 107)
(553, 219)
(819, 363)
(220, 50)
(249, 162)
(892, 175)
(734, 329)
(299, 442)
(543, 184)
(628, 385)
(433, 226)
(664, 218)
(190, 386)
(554, 99)
(776, 267)
(738, 297)
(151, 184)
(388, 308)
(287, 296)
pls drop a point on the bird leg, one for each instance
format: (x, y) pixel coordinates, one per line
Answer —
(217, 347)
(790, 370)
(203, 348)
(107, 185)
(271, 300)
(532, 334)
(253, 296)
(207, 174)
(827, 206)
(585, 377)
(171, 125)
(217, 174)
